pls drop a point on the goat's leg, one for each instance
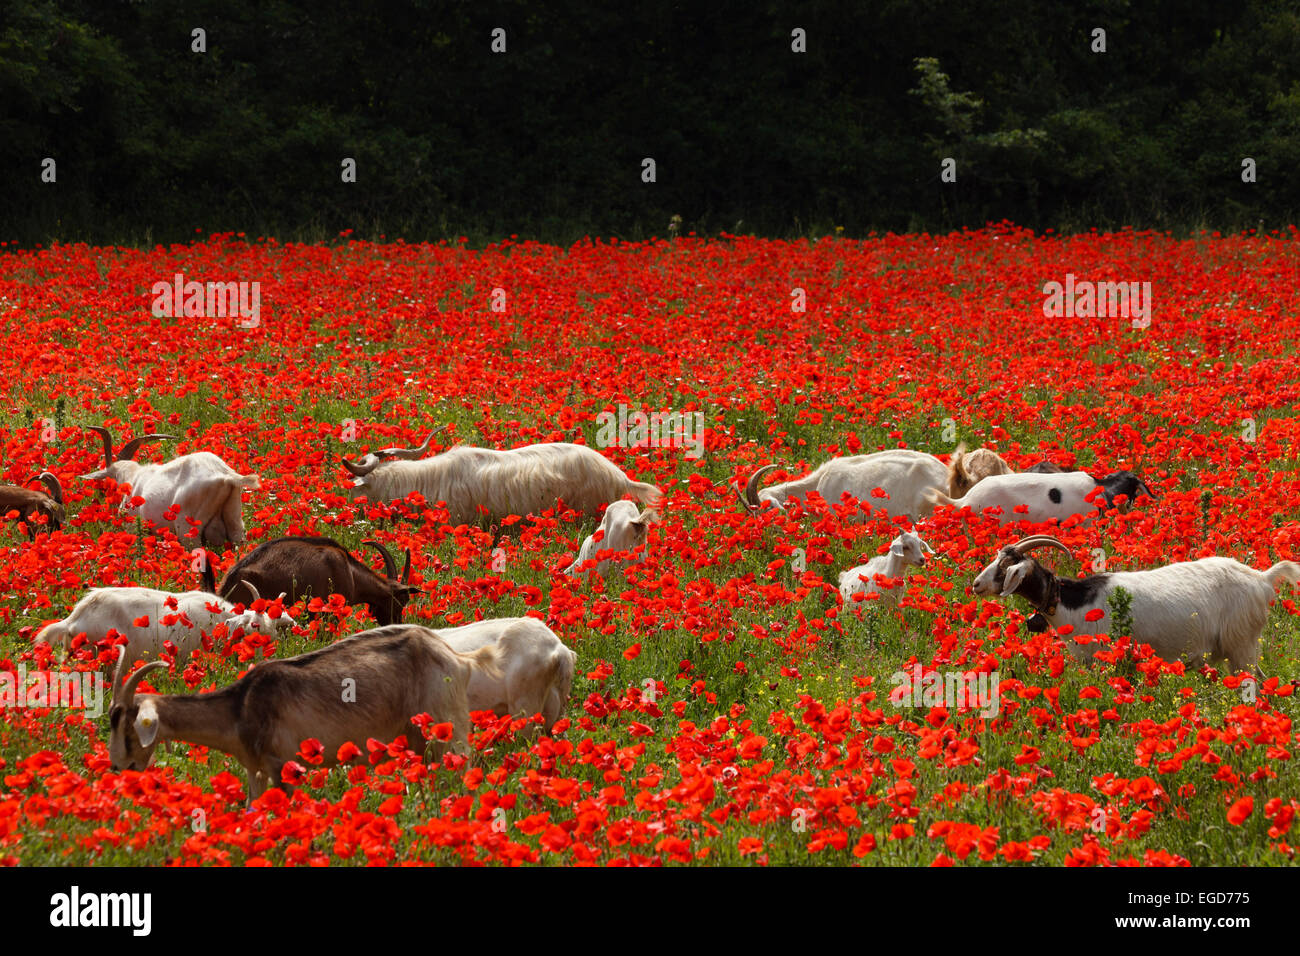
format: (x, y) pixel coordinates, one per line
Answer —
(274, 776)
(208, 534)
(257, 782)
(232, 517)
(553, 709)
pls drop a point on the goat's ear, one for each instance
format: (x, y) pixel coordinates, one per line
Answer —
(95, 475)
(1015, 576)
(898, 550)
(146, 723)
(926, 545)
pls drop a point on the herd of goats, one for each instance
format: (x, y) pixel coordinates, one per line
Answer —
(370, 685)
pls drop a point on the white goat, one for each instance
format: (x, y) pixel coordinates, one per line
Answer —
(536, 669)
(198, 486)
(478, 483)
(1213, 606)
(181, 618)
(1045, 497)
(904, 475)
(622, 529)
(907, 550)
(395, 673)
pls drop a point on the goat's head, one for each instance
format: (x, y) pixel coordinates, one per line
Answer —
(259, 622)
(368, 463)
(1013, 567)
(625, 529)
(133, 725)
(967, 469)
(910, 548)
(1124, 483)
(127, 454)
(640, 525)
(399, 588)
(750, 497)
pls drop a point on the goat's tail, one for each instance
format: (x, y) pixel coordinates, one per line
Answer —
(954, 460)
(648, 495)
(1282, 571)
(937, 497)
(486, 660)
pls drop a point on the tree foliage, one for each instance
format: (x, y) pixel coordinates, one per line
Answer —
(547, 139)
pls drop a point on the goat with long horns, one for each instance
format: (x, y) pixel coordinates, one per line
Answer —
(28, 502)
(299, 566)
(488, 484)
(399, 673)
(1215, 607)
(194, 493)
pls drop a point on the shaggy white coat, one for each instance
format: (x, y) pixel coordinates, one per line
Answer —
(479, 483)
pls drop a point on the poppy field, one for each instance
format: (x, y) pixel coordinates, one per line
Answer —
(728, 708)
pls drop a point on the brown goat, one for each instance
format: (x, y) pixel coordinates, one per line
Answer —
(368, 685)
(967, 468)
(319, 567)
(28, 502)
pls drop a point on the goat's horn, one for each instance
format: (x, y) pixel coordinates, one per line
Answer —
(358, 469)
(390, 566)
(127, 696)
(406, 569)
(252, 587)
(105, 434)
(117, 671)
(1025, 545)
(412, 453)
(133, 446)
(750, 498)
(49, 481)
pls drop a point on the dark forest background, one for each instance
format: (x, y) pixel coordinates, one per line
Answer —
(153, 141)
